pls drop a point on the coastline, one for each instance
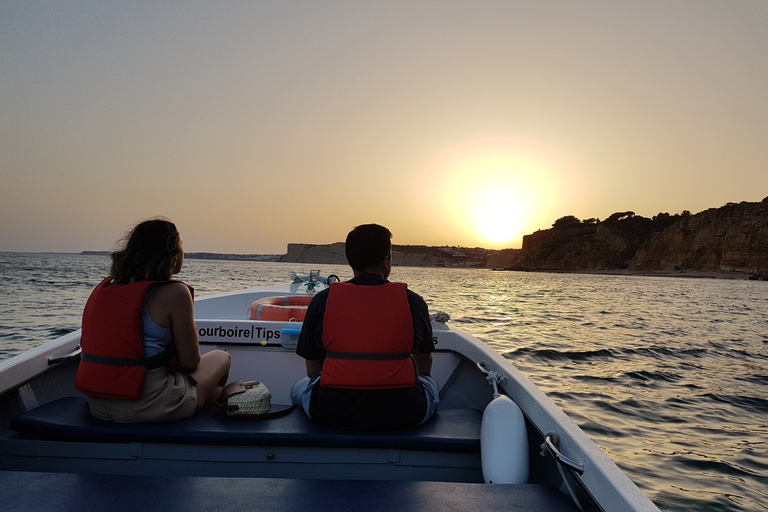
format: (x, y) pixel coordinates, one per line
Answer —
(690, 274)
(323, 259)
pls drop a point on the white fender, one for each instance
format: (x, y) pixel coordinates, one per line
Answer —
(504, 443)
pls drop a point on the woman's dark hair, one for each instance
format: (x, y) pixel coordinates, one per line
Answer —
(149, 253)
(367, 246)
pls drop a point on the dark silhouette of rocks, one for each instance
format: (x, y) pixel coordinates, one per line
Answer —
(732, 238)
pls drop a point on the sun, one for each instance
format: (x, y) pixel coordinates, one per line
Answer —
(498, 215)
(490, 202)
(494, 193)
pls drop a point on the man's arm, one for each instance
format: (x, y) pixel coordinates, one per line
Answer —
(314, 366)
(422, 334)
(310, 344)
(423, 363)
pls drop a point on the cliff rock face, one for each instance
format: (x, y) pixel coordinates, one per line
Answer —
(595, 247)
(731, 238)
(503, 258)
(332, 254)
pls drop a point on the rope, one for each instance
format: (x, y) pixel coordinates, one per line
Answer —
(440, 316)
(492, 378)
(568, 485)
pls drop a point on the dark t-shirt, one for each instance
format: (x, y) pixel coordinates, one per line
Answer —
(365, 409)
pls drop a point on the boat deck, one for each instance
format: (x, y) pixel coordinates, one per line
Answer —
(80, 491)
(446, 447)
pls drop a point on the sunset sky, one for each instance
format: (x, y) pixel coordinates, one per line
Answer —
(256, 124)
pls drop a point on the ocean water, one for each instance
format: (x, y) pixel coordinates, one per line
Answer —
(669, 376)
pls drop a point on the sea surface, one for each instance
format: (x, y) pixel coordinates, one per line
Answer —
(668, 375)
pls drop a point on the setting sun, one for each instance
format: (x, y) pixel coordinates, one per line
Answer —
(498, 214)
(492, 201)
(495, 193)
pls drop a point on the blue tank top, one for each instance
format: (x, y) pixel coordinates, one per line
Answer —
(156, 338)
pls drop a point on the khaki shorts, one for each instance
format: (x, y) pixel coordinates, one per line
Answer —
(165, 396)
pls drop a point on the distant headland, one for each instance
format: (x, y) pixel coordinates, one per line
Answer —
(729, 241)
(208, 256)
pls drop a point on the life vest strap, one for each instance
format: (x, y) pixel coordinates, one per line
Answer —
(119, 361)
(368, 356)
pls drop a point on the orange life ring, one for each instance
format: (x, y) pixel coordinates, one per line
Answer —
(283, 308)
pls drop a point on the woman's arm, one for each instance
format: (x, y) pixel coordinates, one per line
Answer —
(182, 317)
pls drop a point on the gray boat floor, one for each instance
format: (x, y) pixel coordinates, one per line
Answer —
(30, 491)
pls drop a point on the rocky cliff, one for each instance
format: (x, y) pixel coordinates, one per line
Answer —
(332, 254)
(731, 238)
(407, 256)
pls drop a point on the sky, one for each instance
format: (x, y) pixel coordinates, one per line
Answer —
(255, 124)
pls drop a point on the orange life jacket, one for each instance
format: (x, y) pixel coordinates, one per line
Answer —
(368, 337)
(112, 358)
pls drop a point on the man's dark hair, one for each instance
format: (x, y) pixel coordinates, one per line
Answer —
(367, 246)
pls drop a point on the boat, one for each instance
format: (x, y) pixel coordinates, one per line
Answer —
(497, 442)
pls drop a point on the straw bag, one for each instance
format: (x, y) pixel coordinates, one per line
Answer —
(245, 399)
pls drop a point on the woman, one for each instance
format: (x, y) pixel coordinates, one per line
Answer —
(140, 358)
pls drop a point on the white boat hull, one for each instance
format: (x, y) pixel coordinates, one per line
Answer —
(265, 351)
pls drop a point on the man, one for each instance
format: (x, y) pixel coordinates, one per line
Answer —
(368, 346)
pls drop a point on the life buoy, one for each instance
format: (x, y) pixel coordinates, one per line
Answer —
(283, 308)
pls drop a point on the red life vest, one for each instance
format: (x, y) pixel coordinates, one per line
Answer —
(368, 337)
(112, 358)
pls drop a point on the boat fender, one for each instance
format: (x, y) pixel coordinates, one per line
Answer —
(503, 443)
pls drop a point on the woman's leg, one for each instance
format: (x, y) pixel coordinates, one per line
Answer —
(211, 375)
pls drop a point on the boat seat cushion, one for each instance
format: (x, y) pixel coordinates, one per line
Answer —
(69, 419)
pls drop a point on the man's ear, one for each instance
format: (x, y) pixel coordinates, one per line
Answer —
(387, 264)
